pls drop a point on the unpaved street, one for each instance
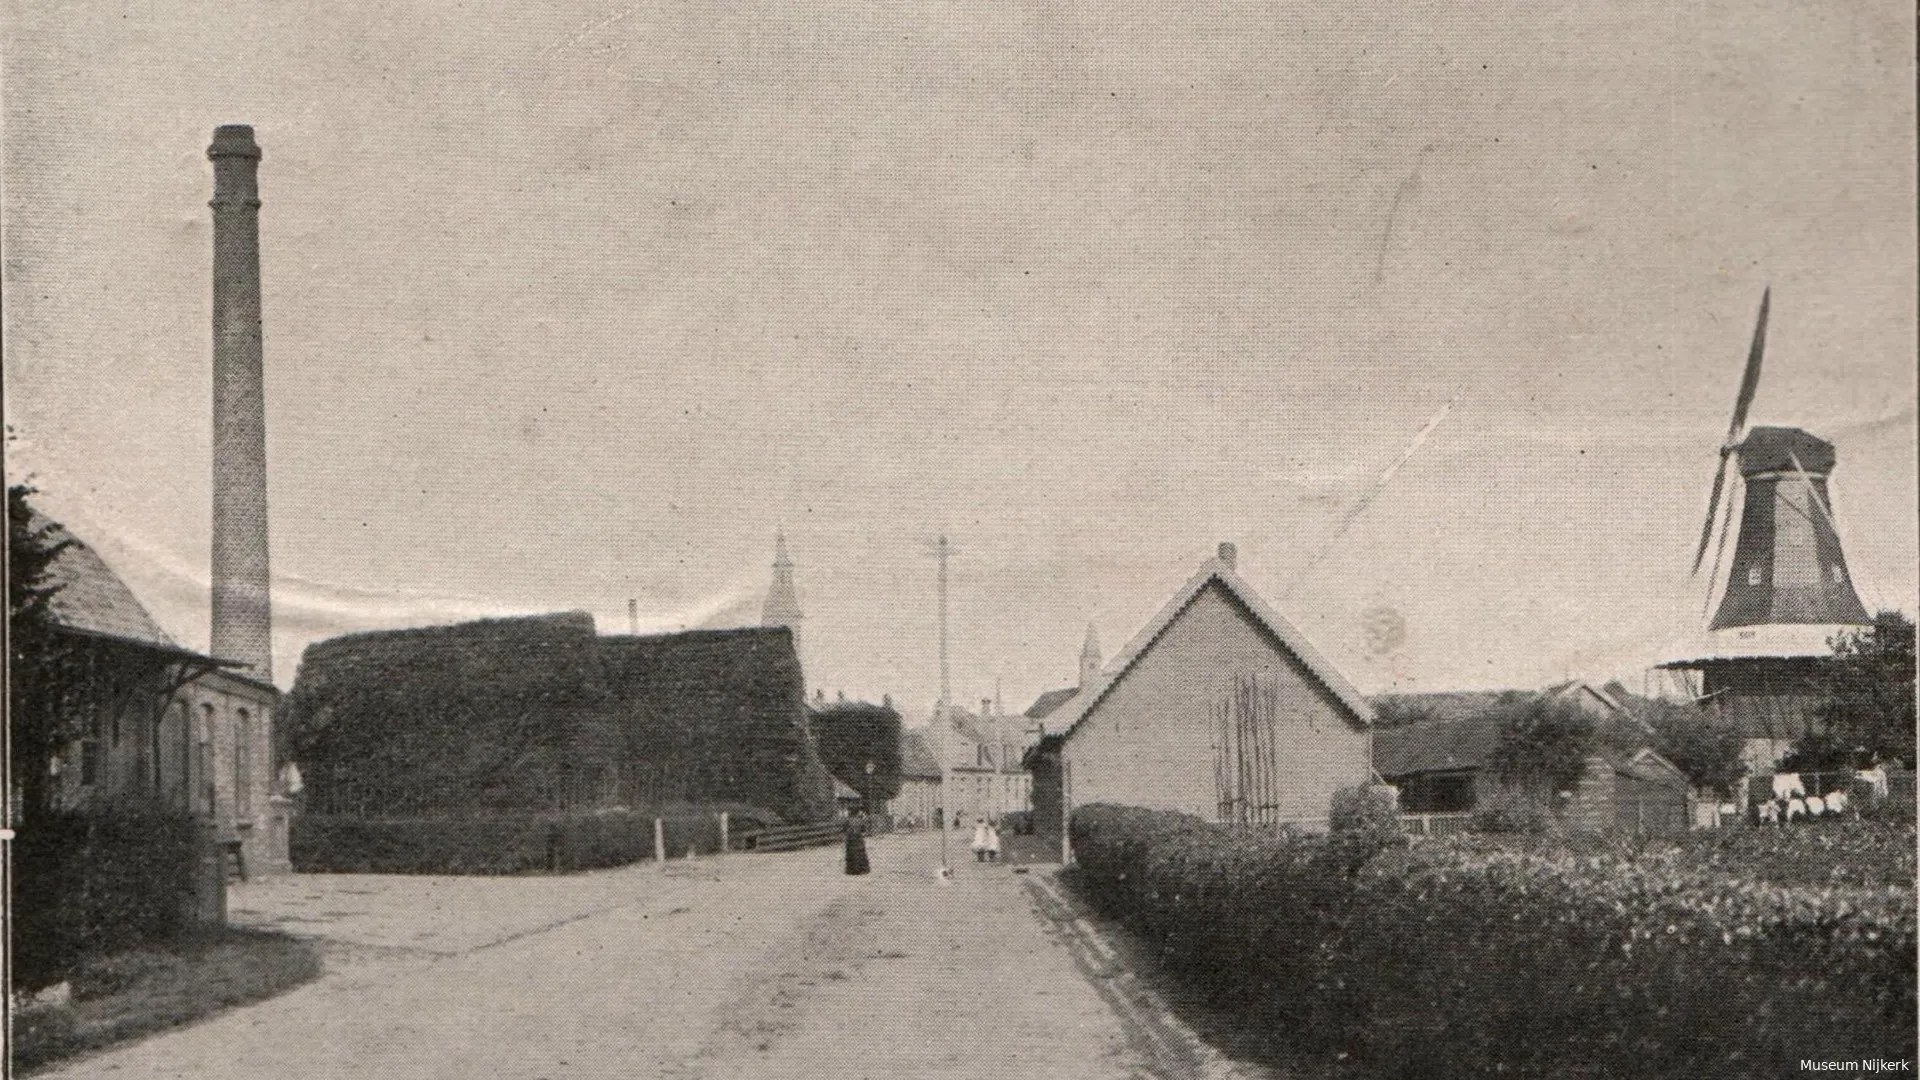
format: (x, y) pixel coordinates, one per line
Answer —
(743, 966)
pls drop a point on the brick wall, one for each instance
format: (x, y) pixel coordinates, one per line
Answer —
(1150, 742)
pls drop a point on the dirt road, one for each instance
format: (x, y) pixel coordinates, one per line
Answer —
(744, 966)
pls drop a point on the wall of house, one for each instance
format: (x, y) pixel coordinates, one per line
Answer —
(916, 803)
(1150, 742)
(230, 770)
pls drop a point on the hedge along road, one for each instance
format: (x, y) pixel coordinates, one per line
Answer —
(740, 966)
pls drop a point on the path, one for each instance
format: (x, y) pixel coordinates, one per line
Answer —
(744, 966)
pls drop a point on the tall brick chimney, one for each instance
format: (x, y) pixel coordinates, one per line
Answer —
(242, 608)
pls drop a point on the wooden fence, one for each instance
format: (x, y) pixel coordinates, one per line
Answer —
(787, 837)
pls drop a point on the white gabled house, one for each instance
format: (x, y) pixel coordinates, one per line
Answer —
(1219, 708)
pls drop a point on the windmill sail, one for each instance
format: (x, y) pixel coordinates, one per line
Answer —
(1749, 385)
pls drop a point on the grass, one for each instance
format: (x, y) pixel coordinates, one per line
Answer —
(127, 995)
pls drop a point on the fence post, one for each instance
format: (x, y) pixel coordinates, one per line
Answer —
(660, 843)
(723, 832)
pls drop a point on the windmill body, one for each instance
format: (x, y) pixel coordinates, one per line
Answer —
(1787, 593)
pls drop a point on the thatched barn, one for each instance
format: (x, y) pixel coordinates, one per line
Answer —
(543, 714)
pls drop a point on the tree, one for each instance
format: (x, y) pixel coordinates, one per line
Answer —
(860, 744)
(1867, 693)
(1543, 744)
(1709, 753)
(41, 661)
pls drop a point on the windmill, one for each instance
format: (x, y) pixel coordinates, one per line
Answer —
(1786, 589)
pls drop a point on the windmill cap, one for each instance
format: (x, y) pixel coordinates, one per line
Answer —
(1778, 449)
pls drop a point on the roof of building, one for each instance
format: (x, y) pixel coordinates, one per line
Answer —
(916, 757)
(1439, 745)
(1044, 705)
(1218, 571)
(1458, 730)
(92, 600)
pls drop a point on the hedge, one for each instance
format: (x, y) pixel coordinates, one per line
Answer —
(1465, 956)
(85, 884)
(506, 844)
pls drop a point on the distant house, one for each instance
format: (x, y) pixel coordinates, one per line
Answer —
(1219, 708)
(1438, 759)
(980, 753)
(162, 722)
(918, 804)
(543, 714)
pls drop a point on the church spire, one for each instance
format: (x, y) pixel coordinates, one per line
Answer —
(783, 601)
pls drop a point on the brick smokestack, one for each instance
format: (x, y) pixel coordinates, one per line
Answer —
(242, 609)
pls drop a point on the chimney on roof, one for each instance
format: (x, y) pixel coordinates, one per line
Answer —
(242, 608)
(1228, 553)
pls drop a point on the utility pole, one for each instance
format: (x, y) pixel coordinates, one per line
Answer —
(943, 550)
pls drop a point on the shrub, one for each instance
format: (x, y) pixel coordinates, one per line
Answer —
(89, 883)
(1515, 812)
(508, 844)
(1425, 959)
(1365, 807)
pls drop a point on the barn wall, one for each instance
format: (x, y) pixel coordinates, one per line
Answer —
(1150, 741)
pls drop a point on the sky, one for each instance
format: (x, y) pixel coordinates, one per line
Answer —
(573, 302)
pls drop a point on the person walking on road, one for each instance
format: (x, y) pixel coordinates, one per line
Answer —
(857, 843)
(993, 842)
(979, 844)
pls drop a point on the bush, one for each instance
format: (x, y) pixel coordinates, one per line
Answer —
(517, 844)
(1365, 807)
(1515, 812)
(90, 883)
(1424, 959)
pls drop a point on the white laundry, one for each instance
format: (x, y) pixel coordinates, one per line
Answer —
(1836, 802)
(1877, 777)
(1796, 808)
(1770, 813)
(1816, 806)
(1787, 785)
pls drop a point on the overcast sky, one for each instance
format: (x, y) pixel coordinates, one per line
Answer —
(577, 301)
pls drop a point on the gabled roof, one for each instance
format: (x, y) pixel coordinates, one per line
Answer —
(916, 757)
(1210, 572)
(92, 599)
(1044, 705)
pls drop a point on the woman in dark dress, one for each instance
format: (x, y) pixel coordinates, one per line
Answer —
(857, 843)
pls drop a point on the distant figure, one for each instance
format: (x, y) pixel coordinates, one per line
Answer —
(857, 843)
(979, 845)
(993, 843)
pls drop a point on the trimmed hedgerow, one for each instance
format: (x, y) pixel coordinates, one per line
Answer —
(89, 883)
(1469, 955)
(509, 844)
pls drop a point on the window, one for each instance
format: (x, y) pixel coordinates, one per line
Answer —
(1753, 575)
(203, 768)
(243, 765)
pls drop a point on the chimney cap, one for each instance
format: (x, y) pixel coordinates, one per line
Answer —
(1228, 553)
(234, 140)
